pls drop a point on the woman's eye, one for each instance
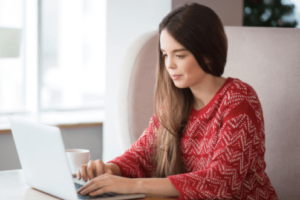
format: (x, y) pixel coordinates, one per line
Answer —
(180, 56)
(164, 55)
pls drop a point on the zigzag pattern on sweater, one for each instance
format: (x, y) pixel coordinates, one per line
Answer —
(222, 148)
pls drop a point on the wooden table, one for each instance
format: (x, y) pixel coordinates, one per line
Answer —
(13, 187)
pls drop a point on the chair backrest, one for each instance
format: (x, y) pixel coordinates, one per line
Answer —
(269, 60)
(266, 58)
(137, 82)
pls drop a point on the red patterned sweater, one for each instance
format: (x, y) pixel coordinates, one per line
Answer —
(222, 148)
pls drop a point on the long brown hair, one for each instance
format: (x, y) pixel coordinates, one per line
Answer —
(199, 30)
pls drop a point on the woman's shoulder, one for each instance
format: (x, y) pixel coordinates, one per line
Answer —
(240, 88)
(240, 93)
(237, 91)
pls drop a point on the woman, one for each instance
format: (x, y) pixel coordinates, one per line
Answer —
(206, 138)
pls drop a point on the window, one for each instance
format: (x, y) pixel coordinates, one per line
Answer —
(62, 58)
(72, 54)
(12, 97)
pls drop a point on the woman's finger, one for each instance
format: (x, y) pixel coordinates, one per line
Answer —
(100, 191)
(99, 167)
(85, 187)
(83, 172)
(90, 169)
(78, 174)
(108, 171)
(92, 186)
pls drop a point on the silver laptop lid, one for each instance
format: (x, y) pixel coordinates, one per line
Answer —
(44, 165)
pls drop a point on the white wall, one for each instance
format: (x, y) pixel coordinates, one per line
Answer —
(126, 20)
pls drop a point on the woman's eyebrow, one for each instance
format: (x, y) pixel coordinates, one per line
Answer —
(176, 50)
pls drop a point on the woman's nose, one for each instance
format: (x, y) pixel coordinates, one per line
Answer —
(169, 63)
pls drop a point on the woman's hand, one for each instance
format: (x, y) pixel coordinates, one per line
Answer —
(109, 183)
(92, 170)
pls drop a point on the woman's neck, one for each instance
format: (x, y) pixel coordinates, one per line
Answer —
(206, 90)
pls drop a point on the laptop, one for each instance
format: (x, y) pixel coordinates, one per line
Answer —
(44, 161)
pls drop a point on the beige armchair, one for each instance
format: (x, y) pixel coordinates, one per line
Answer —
(266, 58)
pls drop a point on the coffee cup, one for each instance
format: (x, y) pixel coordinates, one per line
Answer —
(76, 158)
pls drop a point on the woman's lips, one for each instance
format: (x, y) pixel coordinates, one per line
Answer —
(176, 77)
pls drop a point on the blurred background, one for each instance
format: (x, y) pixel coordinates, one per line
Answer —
(66, 72)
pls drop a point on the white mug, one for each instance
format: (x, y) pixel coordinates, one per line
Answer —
(76, 158)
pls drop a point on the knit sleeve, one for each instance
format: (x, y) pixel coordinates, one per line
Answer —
(136, 162)
(236, 150)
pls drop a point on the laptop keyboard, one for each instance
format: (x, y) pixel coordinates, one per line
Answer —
(109, 194)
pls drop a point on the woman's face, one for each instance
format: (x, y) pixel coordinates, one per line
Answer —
(179, 62)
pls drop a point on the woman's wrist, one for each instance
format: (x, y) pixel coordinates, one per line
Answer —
(114, 168)
(138, 185)
(156, 186)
